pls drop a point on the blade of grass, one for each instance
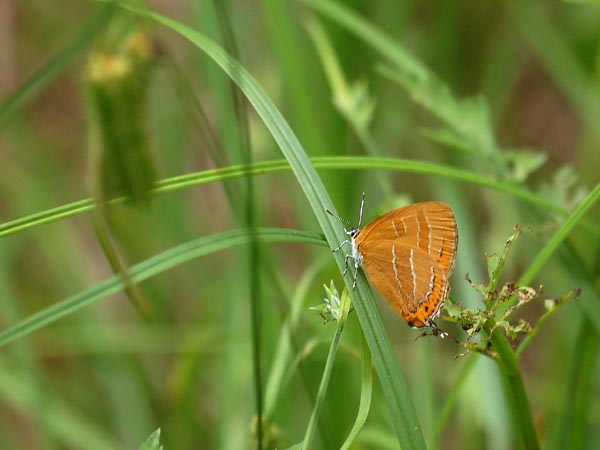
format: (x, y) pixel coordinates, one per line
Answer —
(253, 258)
(148, 268)
(260, 168)
(153, 442)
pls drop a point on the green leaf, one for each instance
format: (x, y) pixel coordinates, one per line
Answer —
(153, 442)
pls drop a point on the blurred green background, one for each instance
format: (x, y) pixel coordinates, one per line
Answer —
(506, 90)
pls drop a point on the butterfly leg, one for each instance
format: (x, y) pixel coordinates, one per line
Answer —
(337, 249)
(341, 245)
(356, 266)
(437, 331)
(346, 258)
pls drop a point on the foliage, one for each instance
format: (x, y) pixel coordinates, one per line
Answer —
(492, 108)
(153, 442)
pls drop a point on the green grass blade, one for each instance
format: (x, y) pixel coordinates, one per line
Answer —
(265, 167)
(148, 268)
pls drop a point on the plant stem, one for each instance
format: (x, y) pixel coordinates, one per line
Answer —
(521, 412)
(312, 424)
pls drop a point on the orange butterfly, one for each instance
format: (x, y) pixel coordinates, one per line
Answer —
(408, 254)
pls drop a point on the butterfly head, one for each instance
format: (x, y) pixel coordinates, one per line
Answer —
(352, 233)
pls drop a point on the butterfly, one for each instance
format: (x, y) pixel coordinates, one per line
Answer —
(408, 255)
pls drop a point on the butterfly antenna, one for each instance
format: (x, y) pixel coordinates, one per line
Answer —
(362, 204)
(339, 218)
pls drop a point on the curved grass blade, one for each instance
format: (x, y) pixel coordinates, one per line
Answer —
(150, 267)
(264, 167)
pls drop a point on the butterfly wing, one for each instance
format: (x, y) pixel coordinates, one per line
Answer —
(429, 227)
(408, 255)
(410, 280)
